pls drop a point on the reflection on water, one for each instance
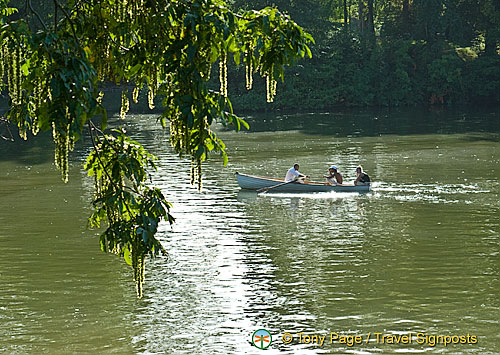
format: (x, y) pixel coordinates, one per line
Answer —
(419, 253)
(383, 121)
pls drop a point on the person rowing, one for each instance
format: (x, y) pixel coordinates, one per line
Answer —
(362, 178)
(293, 174)
(335, 177)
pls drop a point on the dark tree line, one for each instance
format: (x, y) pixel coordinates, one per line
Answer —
(390, 53)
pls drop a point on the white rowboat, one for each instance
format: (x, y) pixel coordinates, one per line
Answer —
(250, 182)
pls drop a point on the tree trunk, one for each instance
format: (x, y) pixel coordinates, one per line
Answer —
(361, 12)
(345, 14)
(349, 3)
(370, 23)
(490, 44)
(406, 15)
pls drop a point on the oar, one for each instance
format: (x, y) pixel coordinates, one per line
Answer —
(265, 189)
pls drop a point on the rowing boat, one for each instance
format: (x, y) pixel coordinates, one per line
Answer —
(250, 182)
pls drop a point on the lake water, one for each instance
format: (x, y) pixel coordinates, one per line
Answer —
(419, 254)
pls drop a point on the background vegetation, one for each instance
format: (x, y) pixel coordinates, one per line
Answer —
(378, 53)
(386, 53)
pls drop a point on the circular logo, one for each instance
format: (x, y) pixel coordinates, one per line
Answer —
(262, 339)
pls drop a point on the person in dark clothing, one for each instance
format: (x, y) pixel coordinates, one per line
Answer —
(362, 178)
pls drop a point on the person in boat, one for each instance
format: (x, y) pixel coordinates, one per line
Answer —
(294, 174)
(335, 177)
(362, 178)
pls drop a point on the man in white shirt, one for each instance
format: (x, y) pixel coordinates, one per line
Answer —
(293, 174)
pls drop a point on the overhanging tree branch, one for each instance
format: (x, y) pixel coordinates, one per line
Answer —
(28, 2)
(6, 122)
(72, 25)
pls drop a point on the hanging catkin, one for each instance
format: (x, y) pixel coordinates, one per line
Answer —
(153, 85)
(10, 60)
(125, 105)
(2, 66)
(61, 151)
(135, 95)
(18, 74)
(249, 67)
(270, 84)
(223, 74)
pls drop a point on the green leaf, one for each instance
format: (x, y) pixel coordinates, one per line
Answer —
(225, 158)
(55, 88)
(191, 52)
(104, 117)
(24, 68)
(243, 122)
(309, 54)
(134, 69)
(126, 256)
(88, 52)
(237, 57)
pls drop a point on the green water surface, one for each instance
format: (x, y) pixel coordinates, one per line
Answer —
(420, 253)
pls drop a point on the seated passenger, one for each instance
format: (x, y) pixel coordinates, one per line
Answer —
(335, 177)
(362, 178)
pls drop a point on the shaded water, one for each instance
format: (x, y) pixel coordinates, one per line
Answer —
(418, 254)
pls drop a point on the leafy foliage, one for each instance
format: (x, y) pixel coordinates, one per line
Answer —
(53, 73)
(414, 58)
(131, 208)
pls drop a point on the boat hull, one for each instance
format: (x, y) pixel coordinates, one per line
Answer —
(250, 182)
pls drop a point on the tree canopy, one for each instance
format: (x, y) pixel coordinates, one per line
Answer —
(389, 53)
(53, 68)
